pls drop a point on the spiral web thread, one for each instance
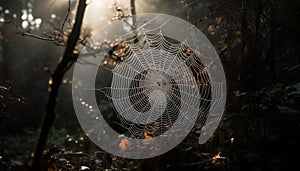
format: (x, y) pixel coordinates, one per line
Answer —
(158, 79)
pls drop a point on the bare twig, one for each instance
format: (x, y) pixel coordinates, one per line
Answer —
(52, 3)
(130, 25)
(23, 32)
(57, 32)
(211, 12)
(66, 17)
(26, 33)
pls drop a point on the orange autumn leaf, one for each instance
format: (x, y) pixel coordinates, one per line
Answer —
(217, 158)
(211, 29)
(124, 144)
(219, 20)
(146, 134)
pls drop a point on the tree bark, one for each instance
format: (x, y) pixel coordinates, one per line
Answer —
(57, 77)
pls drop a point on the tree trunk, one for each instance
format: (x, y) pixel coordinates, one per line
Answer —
(57, 77)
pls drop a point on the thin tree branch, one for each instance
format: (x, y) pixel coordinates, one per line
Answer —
(23, 32)
(59, 32)
(133, 13)
(66, 17)
(211, 12)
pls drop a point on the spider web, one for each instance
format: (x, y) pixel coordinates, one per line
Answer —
(159, 82)
(149, 90)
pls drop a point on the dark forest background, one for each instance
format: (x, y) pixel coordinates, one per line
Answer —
(257, 41)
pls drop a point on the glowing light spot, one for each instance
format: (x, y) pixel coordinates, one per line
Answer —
(14, 15)
(2, 20)
(105, 62)
(50, 82)
(30, 17)
(53, 16)
(38, 21)
(84, 168)
(24, 16)
(231, 140)
(6, 11)
(121, 135)
(25, 24)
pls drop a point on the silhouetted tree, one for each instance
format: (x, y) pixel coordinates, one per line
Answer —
(68, 59)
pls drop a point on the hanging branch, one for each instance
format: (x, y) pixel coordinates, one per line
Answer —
(58, 32)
